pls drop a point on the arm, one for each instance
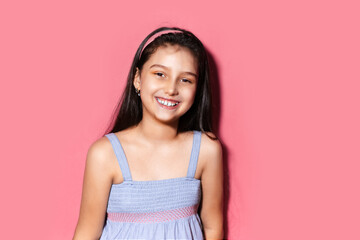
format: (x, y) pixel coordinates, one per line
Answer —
(96, 188)
(211, 212)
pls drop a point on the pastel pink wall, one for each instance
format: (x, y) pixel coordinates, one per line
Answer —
(289, 87)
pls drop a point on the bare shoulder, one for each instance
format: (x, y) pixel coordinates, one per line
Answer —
(210, 155)
(210, 147)
(100, 154)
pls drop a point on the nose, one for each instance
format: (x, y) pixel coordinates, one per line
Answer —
(171, 88)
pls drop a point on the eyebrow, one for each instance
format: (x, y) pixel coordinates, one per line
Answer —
(162, 66)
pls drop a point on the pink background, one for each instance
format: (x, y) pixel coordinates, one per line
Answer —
(289, 89)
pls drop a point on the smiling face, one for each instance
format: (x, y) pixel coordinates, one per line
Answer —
(167, 83)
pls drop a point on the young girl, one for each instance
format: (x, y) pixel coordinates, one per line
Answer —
(158, 173)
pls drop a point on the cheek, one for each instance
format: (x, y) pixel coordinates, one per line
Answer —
(147, 86)
(189, 94)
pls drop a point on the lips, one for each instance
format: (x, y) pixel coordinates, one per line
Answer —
(167, 103)
(168, 100)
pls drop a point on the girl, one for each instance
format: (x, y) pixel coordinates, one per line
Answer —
(158, 173)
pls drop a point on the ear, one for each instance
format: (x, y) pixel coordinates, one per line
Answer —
(137, 80)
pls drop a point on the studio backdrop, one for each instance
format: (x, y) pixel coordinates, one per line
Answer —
(286, 77)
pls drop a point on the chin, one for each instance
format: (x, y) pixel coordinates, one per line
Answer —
(169, 121)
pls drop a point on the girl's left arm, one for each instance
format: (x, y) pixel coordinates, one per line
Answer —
(211, 212)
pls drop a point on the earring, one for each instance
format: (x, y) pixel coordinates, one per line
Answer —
(137, 91)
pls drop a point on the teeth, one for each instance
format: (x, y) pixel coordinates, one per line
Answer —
(166, 103)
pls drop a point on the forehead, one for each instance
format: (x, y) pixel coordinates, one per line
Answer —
(174, 57)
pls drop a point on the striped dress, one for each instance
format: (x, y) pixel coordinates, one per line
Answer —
(158, 209)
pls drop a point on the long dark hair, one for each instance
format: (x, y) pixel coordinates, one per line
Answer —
(128, 112)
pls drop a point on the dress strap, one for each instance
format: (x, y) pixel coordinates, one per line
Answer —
(194, 154)
(120, 155)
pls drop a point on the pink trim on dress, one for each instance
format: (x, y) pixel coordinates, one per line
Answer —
(160, 216)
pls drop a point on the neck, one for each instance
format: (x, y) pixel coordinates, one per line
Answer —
(157, 132)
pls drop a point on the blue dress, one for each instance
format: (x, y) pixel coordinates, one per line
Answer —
(158, 209)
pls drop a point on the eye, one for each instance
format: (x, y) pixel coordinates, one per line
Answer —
(160, 74)
(185, 80)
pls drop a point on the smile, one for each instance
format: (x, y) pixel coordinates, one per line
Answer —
(167, 103)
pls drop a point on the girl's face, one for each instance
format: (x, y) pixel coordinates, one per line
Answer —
(167, 83)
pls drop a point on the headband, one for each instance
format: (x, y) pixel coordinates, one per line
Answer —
(152, 38)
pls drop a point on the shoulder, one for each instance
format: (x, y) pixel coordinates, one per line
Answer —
(210, 146)
(100, 148)
(210, 151)
(100, 154)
